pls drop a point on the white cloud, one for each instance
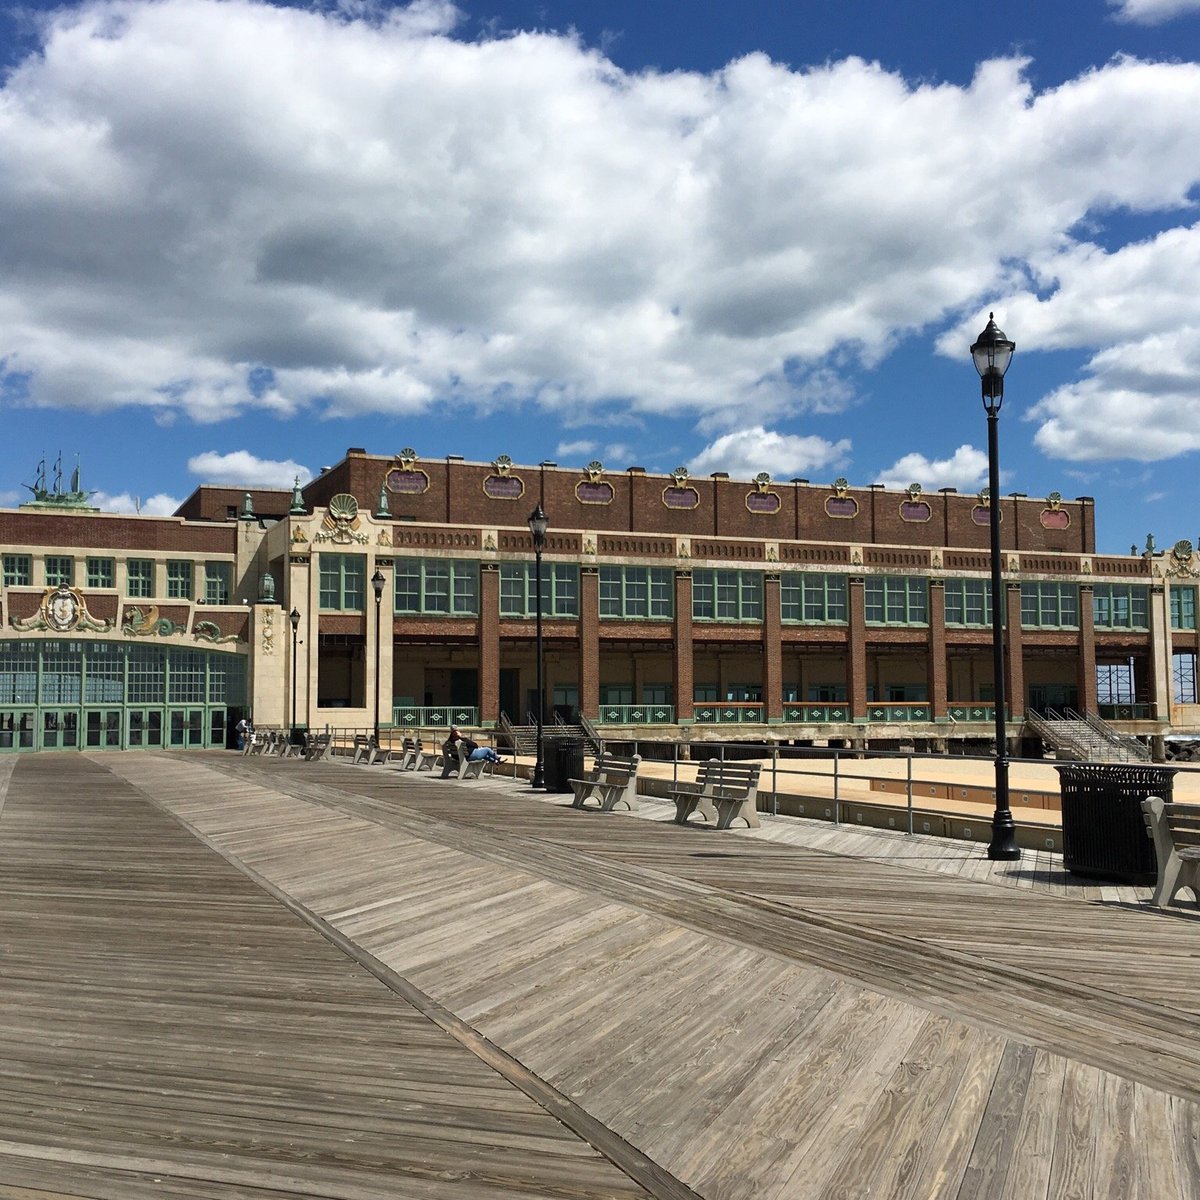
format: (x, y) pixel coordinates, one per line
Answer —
(966, 469)
(569, 450)
(159, 505)
(186, 230)
(1152, 12)
(746, 452)
(240, 468)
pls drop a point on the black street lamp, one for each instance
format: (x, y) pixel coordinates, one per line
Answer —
(294, 617)
(537, 528)
(992, 353)
(377, 582)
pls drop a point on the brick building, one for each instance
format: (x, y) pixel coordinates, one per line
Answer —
(706, 608)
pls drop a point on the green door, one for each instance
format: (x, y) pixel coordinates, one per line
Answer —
(145, 729)
(186, 727)
(16, 729)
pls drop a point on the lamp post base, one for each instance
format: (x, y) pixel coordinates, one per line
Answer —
(1003, 846)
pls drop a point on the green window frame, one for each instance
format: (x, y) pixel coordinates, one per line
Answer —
(180, 578)
(139, 577)
(444, 587)
(101, 573)
(1120, 606)
(218, 582)
(637, 593)
(719, 595)
(969, 603)
(812, 598)
(18, 570)
(518, 587)
(343, 582)
(1183, 607)
(60, 569)
(897, 600)
(1050, 605)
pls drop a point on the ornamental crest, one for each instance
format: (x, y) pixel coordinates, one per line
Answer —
(341, 522)
(62, 609)
(914, 508)
(678, 494)
(1181, 560)
(841, 503)
(502, 484)
(762, 499)
(405, 478)
(1054, 516)
(680, 475)
(595, 489)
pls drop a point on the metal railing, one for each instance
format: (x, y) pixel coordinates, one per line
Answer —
(730, 712)
(434, 716)
(637, 714)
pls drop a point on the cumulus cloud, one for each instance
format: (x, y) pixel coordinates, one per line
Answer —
(240, 468)
(746, 452)
(1152, 12)
(208, 208)
(966, 469)
(158, 505)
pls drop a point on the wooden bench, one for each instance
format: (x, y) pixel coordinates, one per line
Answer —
(612, 781)
(1175, 830)
(724, 792)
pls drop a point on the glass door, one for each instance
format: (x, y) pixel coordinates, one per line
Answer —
(186, 727)
(102, 729)
(60, 729)
(16, 729)
(145, 729)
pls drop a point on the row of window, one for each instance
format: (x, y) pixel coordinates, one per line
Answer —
(97, 572)
(451, 588)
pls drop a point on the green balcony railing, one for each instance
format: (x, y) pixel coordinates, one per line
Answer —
(899, 712)
(1126, 712)
(637, 714)
(824, 714)
(732, 712)
(971, 712)
(434, 717)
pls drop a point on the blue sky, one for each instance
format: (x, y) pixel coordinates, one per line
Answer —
(237, 238)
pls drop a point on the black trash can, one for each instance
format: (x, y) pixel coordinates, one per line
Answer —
(564, 762)
(1104, 835)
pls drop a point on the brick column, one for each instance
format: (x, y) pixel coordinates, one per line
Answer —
(856, 650)
(589, 642)
(1015, 651)
(772, 651)
(936, 665)
(489, 643)
(683, 681)
(1086, 678)
(1160, 652)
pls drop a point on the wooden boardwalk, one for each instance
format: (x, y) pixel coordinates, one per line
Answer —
(219, 965)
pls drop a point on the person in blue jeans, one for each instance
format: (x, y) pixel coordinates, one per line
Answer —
(484, 754)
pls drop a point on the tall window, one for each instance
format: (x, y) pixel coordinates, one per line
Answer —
(1183, 607)
(218, 583)
(1120, 606)
(60, 569)
(343, 581)
(968, 602)
(1050, 605)
(1183, 676)
(437, 586)
(897, 600)
(637, 592)
(813, 598)
(727, 595)
(179, 579)
(139, 575)
(18, 570)
(101, 573)
(560, 589)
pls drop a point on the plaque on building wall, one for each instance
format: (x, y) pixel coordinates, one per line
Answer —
(405, 479)
(840, 504)
(914, 508)
(502, 484)
(1055, 516)
(679, 494)
(594, 489)
(762, 499)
